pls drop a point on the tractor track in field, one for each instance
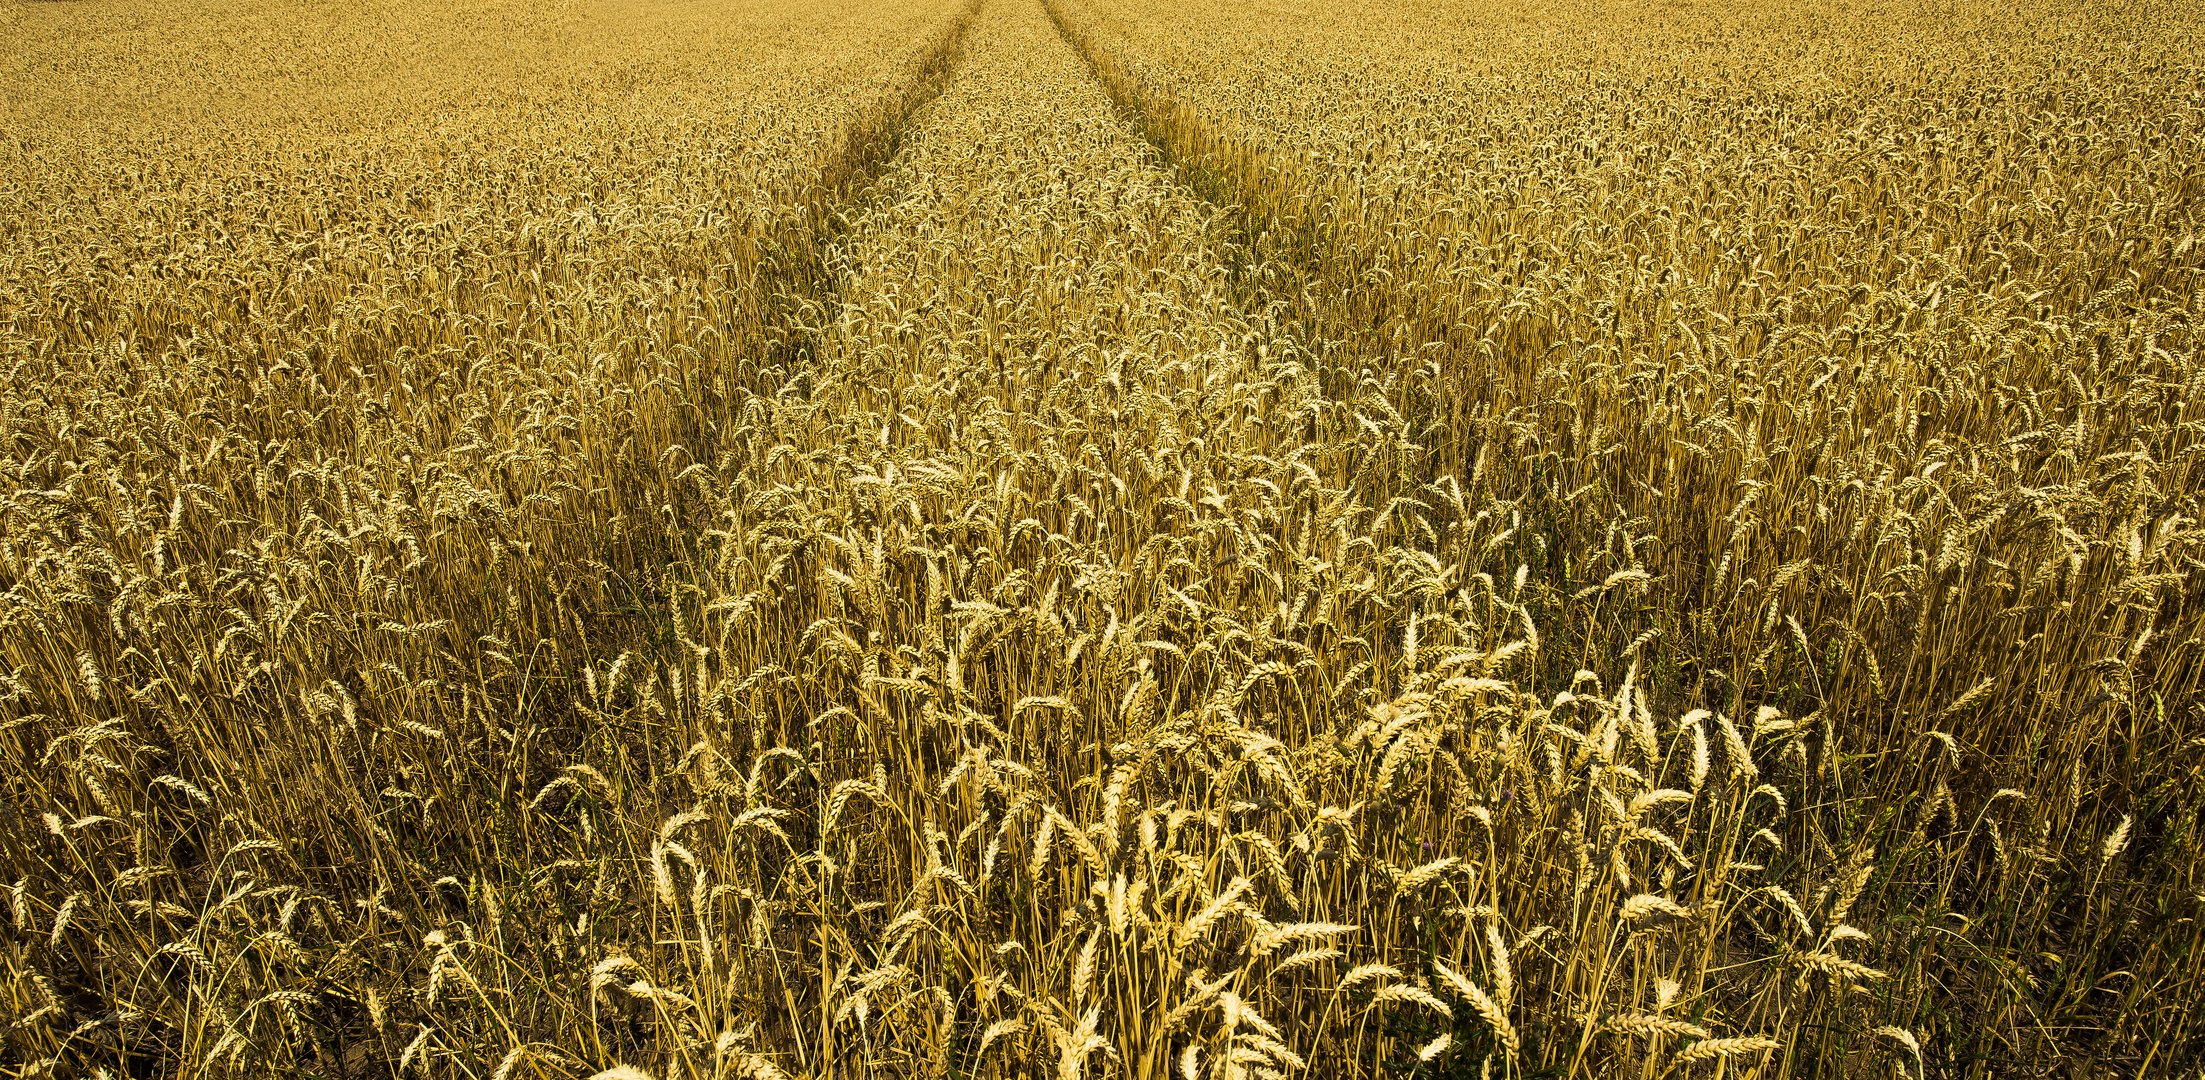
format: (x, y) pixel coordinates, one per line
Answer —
(1286, 256)
(807, 284)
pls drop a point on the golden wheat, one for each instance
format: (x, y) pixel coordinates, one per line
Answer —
(718, 538)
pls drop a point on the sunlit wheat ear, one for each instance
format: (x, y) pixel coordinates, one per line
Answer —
(999, 1030)
(509, 1065)
(1406, 992)
(1648, 909)
(1429, 872)
(1695, 722)
(2115, 841)
(1646, 1026)
(1504, 977)
(1706, 1050)
(1907, 1040)
(1217, 908)
(1487, 1009)
(610, 972)
(1742, 767)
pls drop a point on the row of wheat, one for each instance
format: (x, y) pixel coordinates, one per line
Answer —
(346, 356)
(1841, 361)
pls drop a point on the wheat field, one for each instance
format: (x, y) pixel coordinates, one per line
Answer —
(684, 539)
